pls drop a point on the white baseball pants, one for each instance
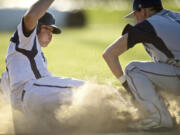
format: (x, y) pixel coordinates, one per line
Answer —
(46, 94)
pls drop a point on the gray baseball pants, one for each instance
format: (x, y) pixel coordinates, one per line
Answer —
(145, 79)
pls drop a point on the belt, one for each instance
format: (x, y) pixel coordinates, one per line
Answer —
(22, 96)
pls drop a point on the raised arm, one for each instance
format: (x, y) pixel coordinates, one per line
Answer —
(35, 12)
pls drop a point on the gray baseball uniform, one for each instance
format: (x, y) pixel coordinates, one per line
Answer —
(160, 36)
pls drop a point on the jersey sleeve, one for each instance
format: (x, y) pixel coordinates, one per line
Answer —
(145, 33)
(25, 40)
(140, 33)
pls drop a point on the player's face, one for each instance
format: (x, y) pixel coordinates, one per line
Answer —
(45, 35)
(140, 15)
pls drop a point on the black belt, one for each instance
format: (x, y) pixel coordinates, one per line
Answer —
(22, 96)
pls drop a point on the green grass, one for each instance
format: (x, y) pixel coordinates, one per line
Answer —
(78, 52)
(4, 41)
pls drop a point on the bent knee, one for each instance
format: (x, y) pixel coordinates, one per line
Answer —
(132, 66)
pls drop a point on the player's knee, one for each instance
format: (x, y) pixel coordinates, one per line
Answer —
(131, 67)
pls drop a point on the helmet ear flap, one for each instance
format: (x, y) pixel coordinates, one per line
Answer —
(38, 28)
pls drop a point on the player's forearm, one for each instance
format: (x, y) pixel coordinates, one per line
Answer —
(114, 64)
(35, 12)
(112, 52)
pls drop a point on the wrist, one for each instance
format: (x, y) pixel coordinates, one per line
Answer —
(122, 79)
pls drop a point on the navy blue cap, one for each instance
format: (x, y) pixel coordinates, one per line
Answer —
(48, 19)
(138, 4)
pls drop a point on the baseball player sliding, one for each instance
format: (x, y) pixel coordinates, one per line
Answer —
(32, 87)
(158, 29)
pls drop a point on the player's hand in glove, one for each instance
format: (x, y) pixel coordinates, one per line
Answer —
(123, 81)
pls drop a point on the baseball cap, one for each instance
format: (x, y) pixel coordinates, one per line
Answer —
(138, 4)
(48, 19)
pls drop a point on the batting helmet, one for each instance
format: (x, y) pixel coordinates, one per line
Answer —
(49, 20)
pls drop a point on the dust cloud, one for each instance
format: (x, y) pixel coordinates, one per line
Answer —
(6, 124)
(173, 103)
(95, 108)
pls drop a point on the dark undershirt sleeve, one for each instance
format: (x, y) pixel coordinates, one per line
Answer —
(142, 32)
(145, 33)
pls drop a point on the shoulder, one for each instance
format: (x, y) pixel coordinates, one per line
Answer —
(142, 27)
(22, 39)
(145, 26)
(26, 33)
(140, 33)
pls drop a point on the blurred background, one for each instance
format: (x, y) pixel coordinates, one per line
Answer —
(89, 26)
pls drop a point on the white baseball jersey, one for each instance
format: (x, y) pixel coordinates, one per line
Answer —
(28, 75)
(25, 60)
